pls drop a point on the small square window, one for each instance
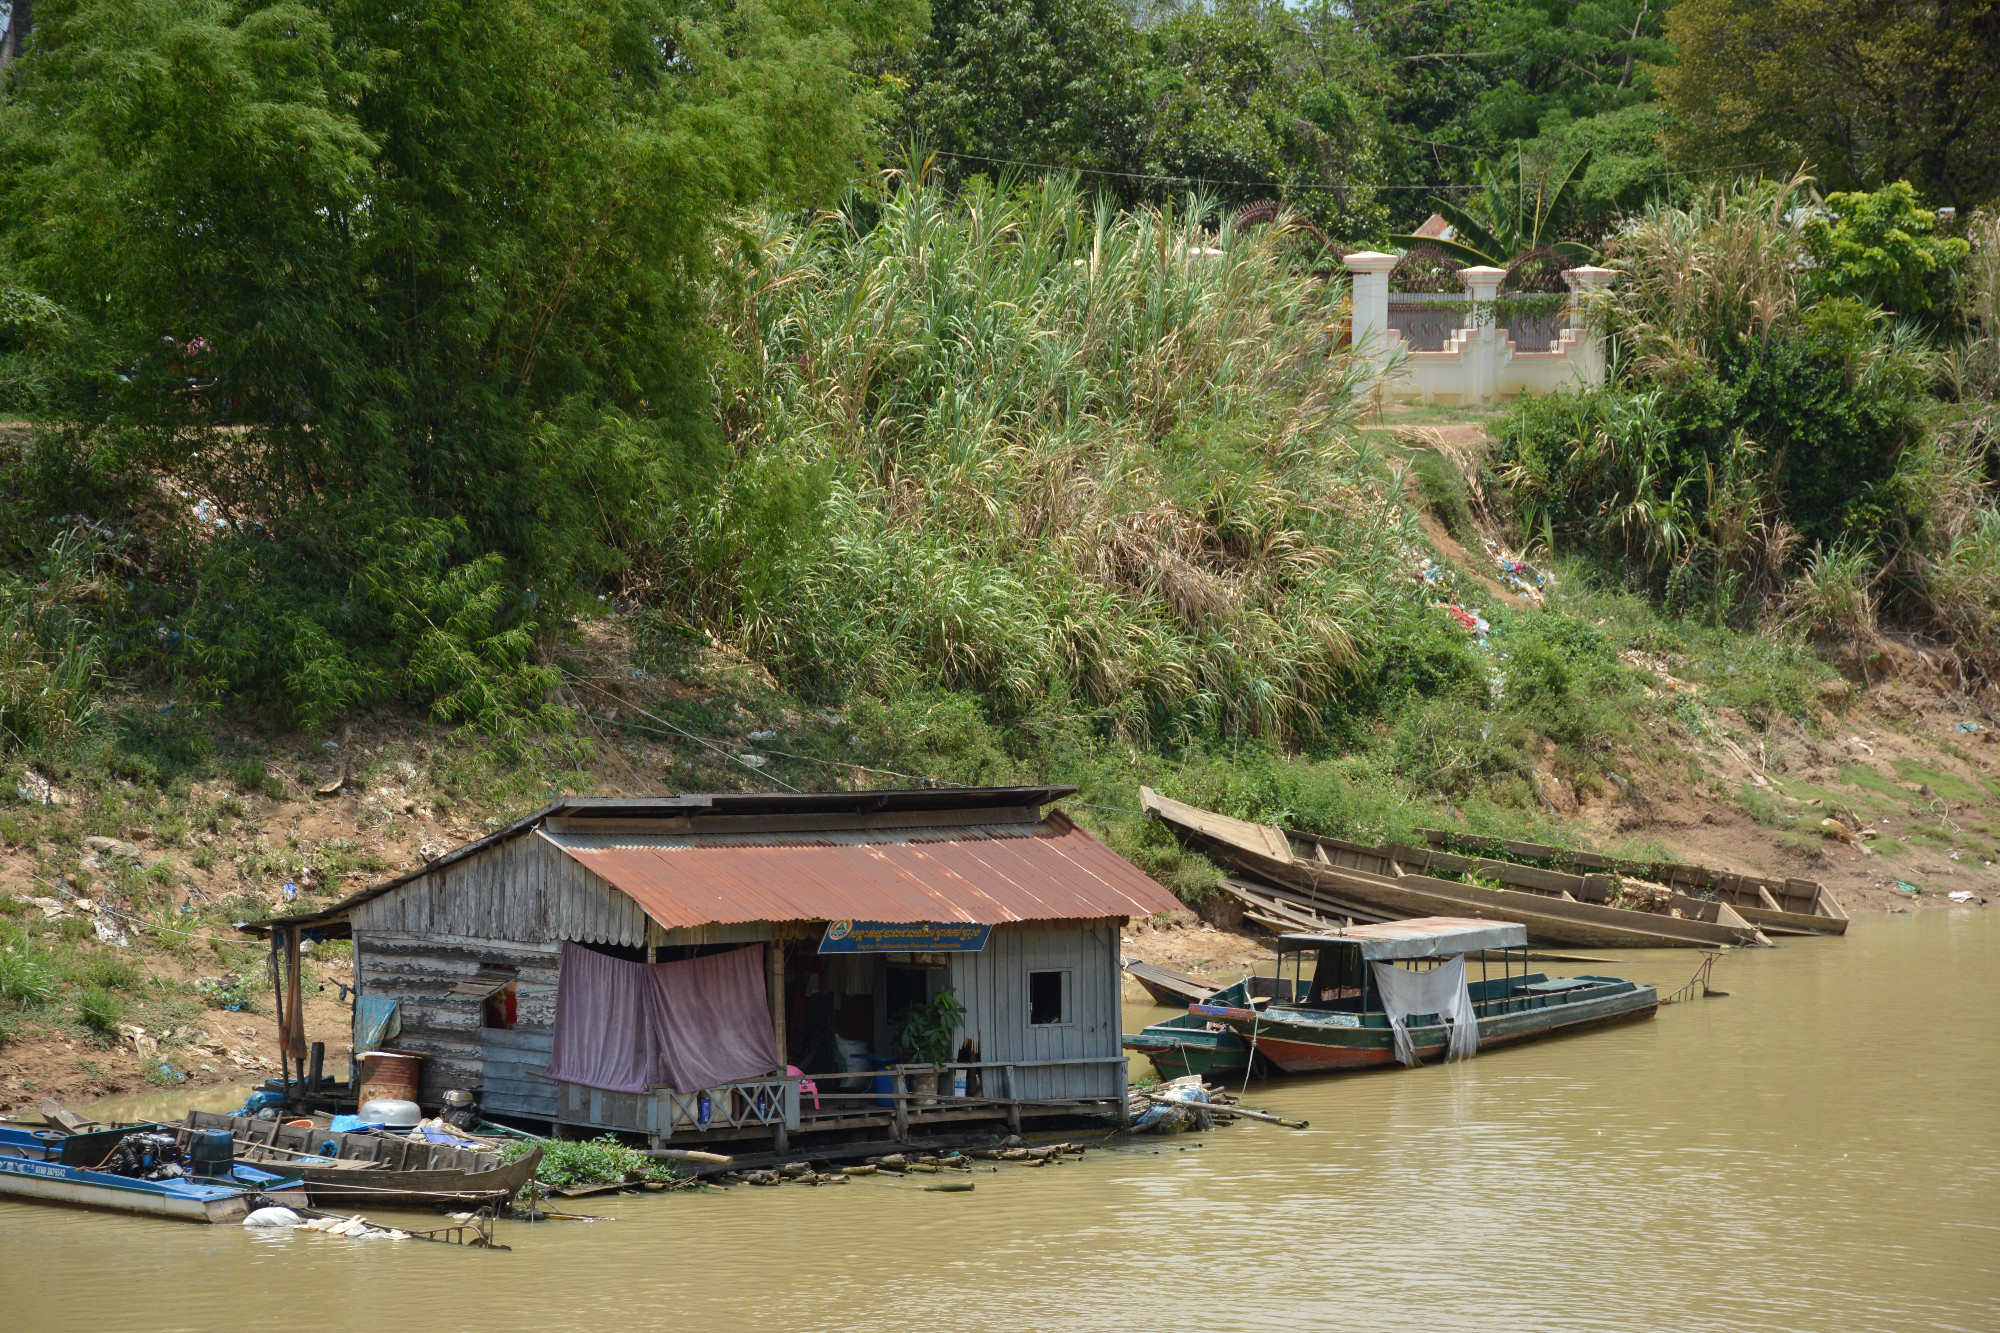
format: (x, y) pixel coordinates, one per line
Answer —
(500, 1009)
(1048, 998)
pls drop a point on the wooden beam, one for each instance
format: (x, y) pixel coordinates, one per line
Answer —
(774, 958)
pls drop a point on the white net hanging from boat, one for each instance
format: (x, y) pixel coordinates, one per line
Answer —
(1441, 991)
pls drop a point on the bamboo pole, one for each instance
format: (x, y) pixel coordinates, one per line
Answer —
(1221, 1108)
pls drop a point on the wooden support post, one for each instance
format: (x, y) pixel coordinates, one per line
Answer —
(278, 1008)
(1124, 1097)
(781, 1139)
(1013, 1101)
(899, 1085)
(774, 958)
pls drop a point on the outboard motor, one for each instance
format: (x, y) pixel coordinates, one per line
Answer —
(211, 1153)
(461, 1109)
(146, 1154)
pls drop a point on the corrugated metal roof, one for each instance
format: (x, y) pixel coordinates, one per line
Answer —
(780, 804)
(991, 874)
(1422, 937)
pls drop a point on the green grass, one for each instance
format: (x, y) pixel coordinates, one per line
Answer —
(1947, 785)
(100, 1011)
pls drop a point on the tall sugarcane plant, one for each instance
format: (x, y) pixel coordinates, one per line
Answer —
(1524, 207)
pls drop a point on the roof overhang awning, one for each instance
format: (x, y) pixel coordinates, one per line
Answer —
(1421, 937)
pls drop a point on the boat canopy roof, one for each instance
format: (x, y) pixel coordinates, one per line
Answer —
(1422, 937)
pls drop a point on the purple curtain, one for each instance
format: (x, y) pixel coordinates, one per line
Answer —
(626, 1026)
(603, 1039)
(711, 1021)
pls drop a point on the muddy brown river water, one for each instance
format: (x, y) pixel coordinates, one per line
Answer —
(1819, 1151)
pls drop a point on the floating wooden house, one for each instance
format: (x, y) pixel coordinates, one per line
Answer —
(571, 968)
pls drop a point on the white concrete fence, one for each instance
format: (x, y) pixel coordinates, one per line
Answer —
(1479, 363)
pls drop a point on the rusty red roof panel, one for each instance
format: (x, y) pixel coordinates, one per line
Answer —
(1057, 872)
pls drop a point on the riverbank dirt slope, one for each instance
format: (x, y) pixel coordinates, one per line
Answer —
(1893, 760)
(118, 894)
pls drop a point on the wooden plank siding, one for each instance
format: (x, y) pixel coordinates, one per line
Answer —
(522, 889)
(993, 986)
(418, 971)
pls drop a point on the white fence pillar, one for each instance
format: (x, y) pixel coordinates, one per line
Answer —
(1483, 349)
(1370, 301)
(1587, 286)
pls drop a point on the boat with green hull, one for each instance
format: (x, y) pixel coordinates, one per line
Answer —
(1193, 1043)
(1201, 1043)
(1348, 1010)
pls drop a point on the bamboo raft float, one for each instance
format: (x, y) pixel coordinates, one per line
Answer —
(1291, 881)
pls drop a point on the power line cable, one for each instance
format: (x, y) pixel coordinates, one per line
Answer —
(698, 740)
(1325, 189)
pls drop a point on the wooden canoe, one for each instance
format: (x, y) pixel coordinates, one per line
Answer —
(387, 1170)
(1311, 867)
(1167, 986)
(1788, 906)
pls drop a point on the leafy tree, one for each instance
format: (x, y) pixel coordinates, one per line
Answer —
(1434, 66)
(1865, 92)
(1522, 209)
(405, 303)
(1879, 249)
(1239, 105)
(1627, 166)
(1574, 59)
(1052, 82)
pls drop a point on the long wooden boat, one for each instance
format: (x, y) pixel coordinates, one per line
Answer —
(1344, 1026)
(387, 1170)
(1165, 985)
(1312, 868)
(59, 1166)
(1195, 1043)
(1787, 906)
(1191, 1043)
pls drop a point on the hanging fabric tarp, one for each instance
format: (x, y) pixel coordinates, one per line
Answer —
(691, 1025)
(603, 1038)
(1441, 991)
(711, 1019)
(376, 1021)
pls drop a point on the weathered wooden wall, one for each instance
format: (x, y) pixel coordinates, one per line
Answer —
(419, 970)
(993, 986)
(521, 889)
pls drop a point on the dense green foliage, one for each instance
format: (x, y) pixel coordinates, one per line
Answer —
(409, 308)
(368, 352)
(1753, 421)
(1864, 92)
(1879, 249)
(1024, 448)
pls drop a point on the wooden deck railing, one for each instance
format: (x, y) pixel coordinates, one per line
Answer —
(774, 1101)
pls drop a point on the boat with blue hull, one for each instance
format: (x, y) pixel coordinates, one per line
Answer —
(1343, 1021)
(145, 1168)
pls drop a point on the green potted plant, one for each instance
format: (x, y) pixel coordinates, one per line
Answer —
(923, 1035)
